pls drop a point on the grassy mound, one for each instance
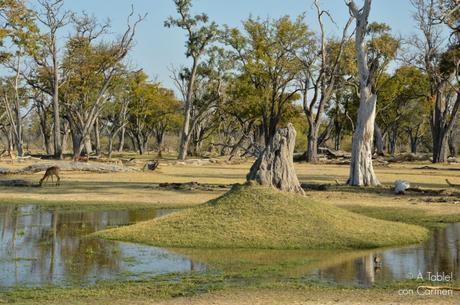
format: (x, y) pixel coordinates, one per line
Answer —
(260, 217)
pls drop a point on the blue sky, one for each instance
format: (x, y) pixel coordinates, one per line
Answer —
(157, 48)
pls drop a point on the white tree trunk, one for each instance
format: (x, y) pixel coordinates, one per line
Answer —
(361, 169)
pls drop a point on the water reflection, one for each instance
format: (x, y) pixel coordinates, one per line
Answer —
(441, 254)
(40, 248)
(45, 247)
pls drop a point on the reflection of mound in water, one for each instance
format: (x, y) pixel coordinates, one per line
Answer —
(261, 217)
(362, 268)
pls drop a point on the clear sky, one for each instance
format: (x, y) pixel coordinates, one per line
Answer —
(157, 47)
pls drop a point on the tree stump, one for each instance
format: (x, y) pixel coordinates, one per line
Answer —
(275, 166)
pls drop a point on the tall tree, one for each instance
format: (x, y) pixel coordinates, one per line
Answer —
(90, 66)
(267, 59)
(52, 18)
(320, 77)
(361, 169)
(441, 64)
(18, 31)
(200, 34)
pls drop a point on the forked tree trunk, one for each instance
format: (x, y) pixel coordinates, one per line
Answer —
(275, 166)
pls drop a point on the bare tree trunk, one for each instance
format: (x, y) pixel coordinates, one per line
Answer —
(452, 145)
(77, 145)
(42, 112)
(9, 136)
(159, 136)
(413, 146)
(65, 136)
(275, 166)
(186, 132)
(97, 136)
(378, 140)
(87, 144)
(312, 148)
(47, 142)
(361, 169)
(122, 140)
(56, 109)
(110, 148)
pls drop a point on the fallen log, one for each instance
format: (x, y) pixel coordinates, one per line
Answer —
(70, 166)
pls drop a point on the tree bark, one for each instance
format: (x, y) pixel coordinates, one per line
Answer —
(65, 135)
(275, 166)
(312, 148)
(97, 137)
(186, 132)
(122, 140)
(87, 144)
(110, 147)
(452, 144)
(379, 147)
(361, 169)
(56, 109)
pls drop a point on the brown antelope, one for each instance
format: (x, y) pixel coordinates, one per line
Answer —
(50, 172)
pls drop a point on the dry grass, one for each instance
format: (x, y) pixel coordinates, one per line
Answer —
(131, 188)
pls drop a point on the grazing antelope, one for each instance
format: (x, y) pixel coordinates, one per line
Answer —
(50, 172)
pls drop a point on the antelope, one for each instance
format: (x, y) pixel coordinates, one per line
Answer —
(50, 172)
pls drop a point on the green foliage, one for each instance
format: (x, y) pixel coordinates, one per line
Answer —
(267, 67)
(200, 32)
(151, 105)
(19, 27)
(403, 98)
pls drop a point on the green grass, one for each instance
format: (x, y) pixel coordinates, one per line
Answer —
(406, 215)
(157, 288)
(263, 218)
(205, 286)
(88, 206)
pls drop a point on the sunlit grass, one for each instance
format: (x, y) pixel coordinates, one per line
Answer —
(260, 217)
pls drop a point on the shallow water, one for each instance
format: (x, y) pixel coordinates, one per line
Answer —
(41, 247)
(440, 255)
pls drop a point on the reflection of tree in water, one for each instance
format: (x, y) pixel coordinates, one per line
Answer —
(54, 240)
(443, 251)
